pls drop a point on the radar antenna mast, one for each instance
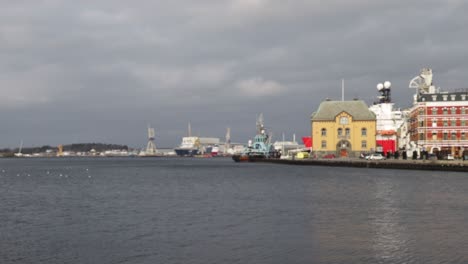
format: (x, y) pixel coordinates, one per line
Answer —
(423, 82)
(260, 124)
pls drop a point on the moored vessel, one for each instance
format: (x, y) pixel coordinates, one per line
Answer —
(190, 146)
(259, 148)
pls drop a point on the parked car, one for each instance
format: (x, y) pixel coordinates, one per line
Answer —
(364, 155)
(375, 156)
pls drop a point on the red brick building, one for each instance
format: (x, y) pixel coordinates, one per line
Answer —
(438, 122)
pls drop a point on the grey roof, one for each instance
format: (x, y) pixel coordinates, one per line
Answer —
(444, 96)
(328, 110)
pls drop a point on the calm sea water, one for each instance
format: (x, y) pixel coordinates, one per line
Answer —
(217, 211)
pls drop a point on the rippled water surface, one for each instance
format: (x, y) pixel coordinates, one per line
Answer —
(218, 211)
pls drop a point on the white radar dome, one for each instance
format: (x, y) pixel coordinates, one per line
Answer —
(387, 84)
(380, 86)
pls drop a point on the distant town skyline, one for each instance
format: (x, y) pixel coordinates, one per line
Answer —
(101, 71)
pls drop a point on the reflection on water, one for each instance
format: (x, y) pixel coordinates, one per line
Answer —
(389, 241)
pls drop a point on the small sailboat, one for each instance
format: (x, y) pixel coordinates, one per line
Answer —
(19, 154)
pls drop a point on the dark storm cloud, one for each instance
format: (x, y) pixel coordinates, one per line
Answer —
(75, 71)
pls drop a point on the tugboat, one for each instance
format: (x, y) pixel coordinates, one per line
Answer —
(260, 148)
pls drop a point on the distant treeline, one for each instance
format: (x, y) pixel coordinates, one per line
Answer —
(80, 147)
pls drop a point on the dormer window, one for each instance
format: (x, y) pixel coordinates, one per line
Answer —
(344, 120)
(463, 97)
(452, 97)
(434, 97)
(444, 97)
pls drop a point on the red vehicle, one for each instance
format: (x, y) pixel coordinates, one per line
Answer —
(329, 156)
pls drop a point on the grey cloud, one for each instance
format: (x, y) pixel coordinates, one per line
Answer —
(100, 71)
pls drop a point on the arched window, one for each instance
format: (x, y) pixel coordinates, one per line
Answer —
(347, 131)
(363, 131)
(340, 131)
(324, 131)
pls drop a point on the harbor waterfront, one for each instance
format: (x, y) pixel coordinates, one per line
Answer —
(192, 210)
(435, 165)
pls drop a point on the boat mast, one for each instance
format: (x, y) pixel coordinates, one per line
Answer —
(20, 148)
(227, 142)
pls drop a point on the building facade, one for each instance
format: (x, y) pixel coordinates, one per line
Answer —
(438, 120)
(438, 123)
(343, 128)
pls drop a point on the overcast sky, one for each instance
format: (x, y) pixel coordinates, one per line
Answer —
(100, 71)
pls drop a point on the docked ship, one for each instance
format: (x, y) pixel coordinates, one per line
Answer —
(259, 148)
(190, 146)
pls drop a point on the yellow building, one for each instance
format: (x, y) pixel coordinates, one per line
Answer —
(343, 128)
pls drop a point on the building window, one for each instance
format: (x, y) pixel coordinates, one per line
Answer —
(344, 120)
(347, 131)
(445, 97)
(434, 135)
(421, 136)
(462, 110)
(462, 136)
(453, 110)
(445, 111)
(434, 111)
(463, 96)
(453, 122)
(452, 96)
(445, 122)
(324, 132)
(463, 122)
(434, 98)
(421, 123)
(421, 111)
(364, 132)
(454, 136)
(434, 123)
(445, 136)
(324, 144)
(340, 131)
(363, 144)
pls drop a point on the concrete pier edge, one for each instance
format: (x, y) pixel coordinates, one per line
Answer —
(459, 166)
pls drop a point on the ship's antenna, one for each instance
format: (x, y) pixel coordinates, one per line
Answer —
(189, 130)
(260, 124)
